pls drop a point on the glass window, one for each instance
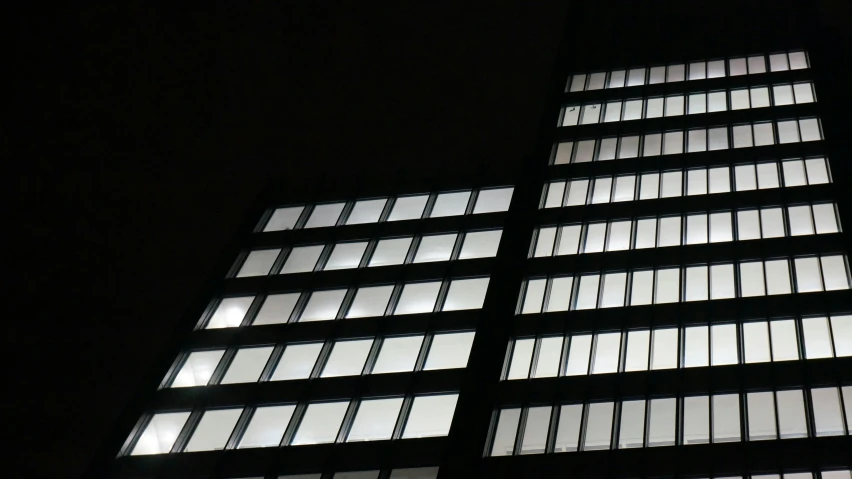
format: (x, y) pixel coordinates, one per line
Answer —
(726, 418)
(613, 111)
(653, 144)
(560, 294)
(798, 60)
(554, 192)
(665, 350)
(578, 82)
(804, 93)
(817, 172)
(723, 349)
(587, 294)
(616, 79)
(696, 420)
(675, 73)
(632, 110)
(430, 416)
(772, 222)
(258, 263)
(323, 305)
(607, 347)
(197, 369)
(596, 81)
(646, 233)
(160, 434)
(649, 186)
(350, 475)
(791, 414)
(302, 259)
(782, 95)
(624, 188)
(577, 193)
(390, 251)
(696, 284)
(794, 171)
(697, 140)
(408, 208)
(521, 359)
(827, 415)
(638, 344)
(785, 347)
(720, 227)
(629, 147)
(742, 136)
(825, 219)
(480, 244)
(366, 211)
(418, 298)
(778, 62)
(745, 178)
(636, 76)
(585, 151)
(247, 365)
(697, 103)
(696, 182)
(751, 279)
(697, 71)
(533, 296)
(374, 420)
(568, 428)
(834, 272)
(739, 99)
(756, 64)
(449, 351)
(810, 129)
(607, 149)
(397, 354)
(450, 204)
(788, 132)
(696, 350)
(570, 115)
(763, 134)
(603, 187)
(595, 236)
(578, 355)
(493, 200)
(267, 426)
(591, 114)
(737, 66)
(370, 301)
(667, 286)
(347, 358)
(213, 430)
(345, 256)
(720, 180)
(817, 338)
(673, 142)
(696, 229)
(800, 220)
(716, 69)
(661, 422)
(297, 361)
(807, 275)
(654, 107)
(598, 426)
(761, 416)
(504, 434)
(230, 312)
(544, 242)
(613, 290)
(549, 353)
(669, 231)
(535, 430)
(759, 97)
(841, 327)
(672, 184)
(632, 428)
(756, 342)
(777, 277)
(767, 175)
(466, 294)
(657, 75)
(325, 215)
(563, 153)
(284, 219)
(641, 287)
(320, 423)
(674, 105)
(435, 248)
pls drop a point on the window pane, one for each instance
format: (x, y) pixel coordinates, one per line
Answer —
(547, 365)
(450, 204)
(726, 418)
(435, 248)
(390, 251)
(347, 358)
(397, 354)
(267, 426)
(624, 186)
(665, 350)
(430, 416)
(649, 186)
(493, 200)
(320, 423)
(777, 277)
(791, 414)
(697, 71)
(632, 110)
(817, 338)
(258, 263)
(794, 172)
(345, 256)
(756, 342)
(800, 220)
(544, 242)
(810, 129)
(669, 231)
(763, 134)
(767, 175)
(834, 272)
(661, 424)
(817, 172)
(697, 140)
(696, 420)
(761, 416)
(673, 142)
(568, 428)
(654, 108)
(641, 288)
(778, 62)
(563, 153)
(657, 75)
(533, 296)
(825, 219)
(449, 351)
(603, 186)
(716, 101)
(375, 420)
(418, 298)
(570, 115)
(739, 99)
(578, 355)
(696, 229)
(724, 344)
(798, 60)
(737, 66)
(697, 103)
(756, 64)
(696, 284)
(284, 219)
(759, 97)
(578, 82)
(646, 233)
(213, 430)
(653, 144)
(577, 193)
(302, 259)
(535, 430)
(720, 227)
(230, 312)
(636, 76)
(807, 275)
(785, 347)
(554, 194)
(841, 327)
(782, 95)
(674, 105)
(585, 151)
(325, 215)
(675, 73)
(197, 369)
(480, 244)
(696, 350)
(748, 225)
(247, 365)
(616, 79)
(466, 294)
(632, 428)
(804, 93)
(297, 361)
(628, 147)
(587, 294)
(716, 69)
(598, 426)
(590, 114)
(613, 290)
(720, 180)
(366, 211)
(569, 239)
(745, 177)
(607, 347)
(160, 434)
(370, 301)
(696, 182)
(408, 208)
(596, 81)
(742, 136)
(788, 132)
(504, 434)
(638, 343)
(827, 415)
(595, 236)
(771, 222)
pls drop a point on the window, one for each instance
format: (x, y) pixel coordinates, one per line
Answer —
(408, 208)
(430, 416)
(276, 309)
(435, 248)
(638, 343)
(675, 73)
(756, 342)
(366, 211)
(247, 365)
(449, 351)
(535, 430)
(661, 423)
(504, 435)
(696, 349)
(827, 412)
(347, 358)
(493, 200)
(726, 418)
(804, 92)
(810, 129)
(480, 244)
(696, 420)
(213, 430)
(390, 251)
(323, 305)
(418, 298)
(197, 369)
(230, 312)
(759, 97)
(346, 255)
(521, 359)
(397, 354)
(302, 259)
(568, 428)
(297, 361)
(258, 263)
(607, 347)
(590, 114)
(284, 219)
(370, 301)
(325, 215)
(841, 327)
(598, 426)
(374, 420)
(267, 426)
(761, 416)
(578, 356)
(674, 105)
(320, 423)
(160, 434)
(632, 428)
(791, 414)
(466, 294)
(450, 204)
(817, 338)
(548, 357)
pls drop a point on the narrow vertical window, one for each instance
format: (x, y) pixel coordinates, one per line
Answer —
(723, 340)
(632, 429)
(568, 428)
(612, 112)
(533, 296)
(598, 426)
(841, 327)
(720, 180)
(817, 338)
(763, 134)
(745, 178)
(791, 414)
(726, 418)
(519, 368)
(601, 192)
(696, 347)
(624, 188)
(577, 191)
(560, 294)
(652, 144)
(585, 151)
(613, 290)
(696, 420)
(562, 156)
(535, 430)
(595, 238)
(578, 355)
(642, 287)
(661, 422)
(646, 233)
(669, 231)
(785, 347)
(549, 353)
(638, 347)
(578, 82)
(607, 149)
(667, 286)
(834, 273)
(777, 277)
(807, 275)
(817, 171)
(761, 416)
(742, 136)
(720, 227)
(696, 229)
(696, 284)
(825, 218)
(649, 186)
(756, 342)
(810, 129)
(587, 294)
(827, 414)
(591, 114)
(654, 108)
(504, 433)
(664, 349)
(607, 347)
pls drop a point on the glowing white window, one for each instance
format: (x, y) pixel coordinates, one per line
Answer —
(544, 242)
(834, 272)
(345, 256)
(654, 107)
(696, 182)
(742, 136)
(785, 347)
(791, 414)
(825, 218)
(661, 422)
(696, 141)
(777, 277)
(493, 200)
(803, 92)
(591, 114)
(577, 193)
(598, 426)
(667, 286)
(619, 236)
(632, 110)
(450, 204)
(430, 416)
(624, 188)
(673, 142)
(230, 312)
(613, 290)
(649, 186)
(669, 231)
(563, 153)
(696, 420)
(675, 73)
(560, 294)
(578, 355)
(267, 426)
(160, 434)
(297, 361)
(596, 81)
(449, 351)
(794, 172)
(247, 365)
(638, 347)
(642, 287)
(759, 97)
(782, 95)
(636, 76)
(807, 275)
(568, 428)
(549, 353)
(665, 348)
(723, 344)
(607, 347)
(697, 103)
(756, 342)
(390, 251)
(480, 244)
(374, 420)
(827, 412)
(646, 233)
(737, 66)
(696, 284)
(628, 147)
(771, 222)
(578, 82)
(522, 352)
(726, 418)
(366, 211)
(653, 144)
(197, 369)
(841, 327)
(595, 237)
(418, 298)
(408, 208)
(435, 248)
(696, 350)
(258, 263)
(320, 423)
(603, 186)
(613, 112)
(761, 416)
(213, 430)
(504, 435)
(817, 172)
(323, 305)
(284, 219)
(398, 354)
(533, 296)
(347, 358)
(370, 301)
(325, 215)
(616, 79)
(535, 430)
(696, 229)
(302, 259)
(674, 105)
(466, 294)
(751, 279)
(570, 115)
(657, 75)
(632, 427)
(810, 129)
(587, 294)
(720, 227)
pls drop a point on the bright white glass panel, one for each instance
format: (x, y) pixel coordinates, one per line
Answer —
(716, 101)
(748, 225)
(696, 284)
(782, 95)
(636, 76)
(794, 173)
(696, 349)
(320, 423)
(535, 430)
(669, 231)
(777, 277)
(325, 215)
(408, 208)
(726, 418)
(661, 422)
(825, 219)
(827, 415)
(696, 182)
(374, 420)
(595, 237)
(841, 327)
(800, 220)
(493, 200)
(624, 188)
(788, 132)
(632, 110)
(657, 75)
(347, 358)
(696, 420)
(798, 60)
(810, 129)
(197, 369)
(598, 426)
(578, 82)
(578, 355)
(418, 298)
(297, 361)
(737, 66)
(430, 416)
(302, 259)
(720, 227)
(696, 229)
(834, 272)
(160, 434)
(672, 142)
(632, 428)
(759, 97)
(466, 294)
(817, 338)
(674, 105)
(370, 301)
(366, 211)
(646, 233)
(756, 64)
(665, 348)
(785, 347)
(697, 71)
(697, 103)
(616, 79)
(761, 416)
(587, 294)
(560, 294)
(591, 113)
(791, 414)
(247, 365)
(723, 342)
(544, 242)
(756, 342)
(504, 435)
(716, 69)
(571, 115)
(213, 430)
(435, 248)
(563, 153)
(323, 305)
(258, 263)
(230, 312)
(742, 136)
(603, 186)
(804, 93)
(390, 251)
(778, 62)
(549, 353)
(398, 354)
(628, 147)
(717, 139)
(745, 178)
(807, 275)
(771, 222)
(534, 296)
(613, 290)
(568, 428)
(842, 474)
(345, 256)
(642, 287)
(450, 204)
(555, 193)
(720, 180)
(267, 426)
(284, 219)
(649, 186)
(763, 134)
(696, 140)
(767, 175)
(480, 244)
(585, 151)
(449, 351)
(654, 108)
(675, 73)
(596, 81)
(653, 144)
(739, 99)
(577, 193)
(817, 172)
(667, 287)
(612, 112)
(638, 348)
(607, 347)
(751, 279)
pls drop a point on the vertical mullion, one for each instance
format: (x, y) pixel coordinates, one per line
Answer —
(563, 358)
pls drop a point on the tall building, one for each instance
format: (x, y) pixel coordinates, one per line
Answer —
(663, 292)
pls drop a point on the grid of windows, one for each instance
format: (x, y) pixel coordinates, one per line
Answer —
(701, 282)
(687, 104)
(685, 347)
(651, 185)
(700, 70)
(356, 302)
(344, 357)
(687, 229)
(365, 419)
(381, 252)
(435, 205)
(695, 140)
(669, 421)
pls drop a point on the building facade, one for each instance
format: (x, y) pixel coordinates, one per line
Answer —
(660, 290)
